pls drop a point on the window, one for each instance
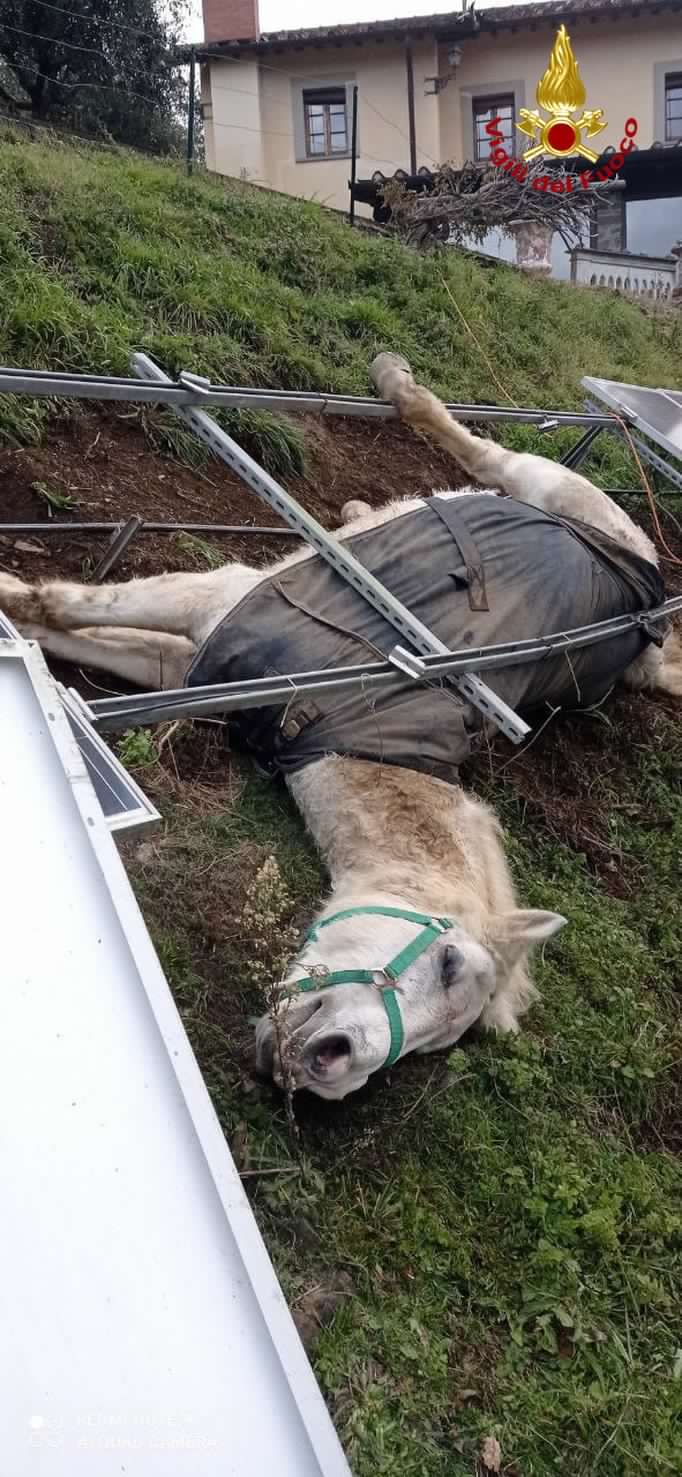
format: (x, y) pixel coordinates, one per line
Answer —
(485, 109)
(673, 107)
(325, 120)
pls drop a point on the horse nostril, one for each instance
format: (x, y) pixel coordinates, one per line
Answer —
(329, 1054)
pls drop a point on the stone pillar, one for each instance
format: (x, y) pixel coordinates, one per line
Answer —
(533, 247)
(607, 232)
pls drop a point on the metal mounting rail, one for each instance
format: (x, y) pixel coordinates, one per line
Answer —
(340, 559)
(655, 460)
(193, 390)
(144, 708)
(658, 462)
(57, 525)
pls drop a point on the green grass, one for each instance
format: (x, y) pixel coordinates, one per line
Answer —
(508, 1219)
(58, 501)
(105, 253)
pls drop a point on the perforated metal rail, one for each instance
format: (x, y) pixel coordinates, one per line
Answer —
(340, 559)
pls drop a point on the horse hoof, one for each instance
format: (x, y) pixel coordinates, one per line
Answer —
(389, 370)
(354, 509)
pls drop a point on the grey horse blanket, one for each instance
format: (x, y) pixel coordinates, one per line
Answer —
(477, 569)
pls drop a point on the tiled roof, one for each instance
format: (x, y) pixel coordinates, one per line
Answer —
(458, 22)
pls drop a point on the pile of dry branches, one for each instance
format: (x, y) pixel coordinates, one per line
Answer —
(464, 204)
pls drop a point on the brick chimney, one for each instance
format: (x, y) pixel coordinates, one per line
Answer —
(231, 20)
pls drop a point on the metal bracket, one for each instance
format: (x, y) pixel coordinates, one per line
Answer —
(578, 452)
(77, 701)
(123, 536)
(336, 555)
(197, 382)
(175, 392)
(407, 662)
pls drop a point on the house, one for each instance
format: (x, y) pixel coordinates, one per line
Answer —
(277, 107)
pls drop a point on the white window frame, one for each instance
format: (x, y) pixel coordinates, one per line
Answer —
(478, 92)
(320, 84)
(487, 100)
(662, 71)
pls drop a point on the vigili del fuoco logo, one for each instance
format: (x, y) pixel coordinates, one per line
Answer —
(561, 94)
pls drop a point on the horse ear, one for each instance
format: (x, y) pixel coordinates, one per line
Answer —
(515, 933)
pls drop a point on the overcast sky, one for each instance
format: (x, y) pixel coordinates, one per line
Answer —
(289, 15)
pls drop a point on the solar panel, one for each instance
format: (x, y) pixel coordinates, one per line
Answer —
(656, 413)
(124, 805)
(143, 1329)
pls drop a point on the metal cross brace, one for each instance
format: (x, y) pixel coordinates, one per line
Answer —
(577, 453)
(123, 535)
(340, 559)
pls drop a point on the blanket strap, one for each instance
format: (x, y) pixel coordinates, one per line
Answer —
(449, 514)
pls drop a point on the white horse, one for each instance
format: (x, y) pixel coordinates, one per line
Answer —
(422, 933)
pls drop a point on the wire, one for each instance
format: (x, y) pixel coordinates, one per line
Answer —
(78, 15)
(106, 86)
(286, 104)
(479, 346)
(391, 124)
(246, 128)
(91, 138)
(673, 558)
(55, 41)
(215, 87)
(304, 77)
(288, 133)
(86, 138)
(80, 138)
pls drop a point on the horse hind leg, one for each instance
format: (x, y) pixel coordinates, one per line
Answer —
(657, 668)
(174, 603)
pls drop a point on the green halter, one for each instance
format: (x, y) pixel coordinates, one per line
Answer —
(393, 970)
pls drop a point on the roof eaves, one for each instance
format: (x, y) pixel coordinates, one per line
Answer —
(462, 23)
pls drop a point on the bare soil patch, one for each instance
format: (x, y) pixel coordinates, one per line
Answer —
(102, 460)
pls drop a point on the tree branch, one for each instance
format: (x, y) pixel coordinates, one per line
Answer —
(465, 204)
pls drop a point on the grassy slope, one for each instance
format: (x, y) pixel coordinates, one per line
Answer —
(511, 1235)
(102, 254)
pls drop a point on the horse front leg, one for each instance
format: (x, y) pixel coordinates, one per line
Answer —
(520, 474)
(148, 659)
